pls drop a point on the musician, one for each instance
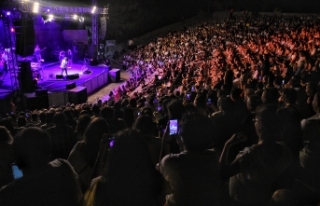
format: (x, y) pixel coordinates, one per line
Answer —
(62, 55)
(64, 65)
(70, 57)
(4, 59)
(37, 53)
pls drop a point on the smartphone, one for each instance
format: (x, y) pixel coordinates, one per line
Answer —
(192, 89)
(209, 102)
(155, 101)
(173, 126)
(111, 142)
(188, 96)
(159, 108)
(17, 173)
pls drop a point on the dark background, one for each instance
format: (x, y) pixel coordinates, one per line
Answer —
(132, 18)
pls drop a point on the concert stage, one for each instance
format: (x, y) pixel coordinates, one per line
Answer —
(52, 89)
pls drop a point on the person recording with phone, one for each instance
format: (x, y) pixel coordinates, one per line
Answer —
(194, 173)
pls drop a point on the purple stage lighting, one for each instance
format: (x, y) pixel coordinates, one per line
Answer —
(8, 13)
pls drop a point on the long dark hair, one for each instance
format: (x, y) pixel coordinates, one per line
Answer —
(92, 137)
(129, 166)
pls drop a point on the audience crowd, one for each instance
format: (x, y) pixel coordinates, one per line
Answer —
(246, 96)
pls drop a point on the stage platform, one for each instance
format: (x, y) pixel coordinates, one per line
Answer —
(54, 89)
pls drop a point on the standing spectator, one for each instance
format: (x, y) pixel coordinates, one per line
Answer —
(193, 174)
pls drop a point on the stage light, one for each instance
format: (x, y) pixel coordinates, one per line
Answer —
(12, 30)
(93, 10)
(81, 19)
(8, 13)
(35, 8)
(75, 17)
(50, 17)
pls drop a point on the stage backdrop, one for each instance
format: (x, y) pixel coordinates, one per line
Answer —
(75, 36)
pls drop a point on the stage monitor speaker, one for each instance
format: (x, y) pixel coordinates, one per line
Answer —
(71, 85)
(114, 75)
(78, 95)
(32, 102)
(25, 36)
(59, 76)
(41, 92)
(73, 76)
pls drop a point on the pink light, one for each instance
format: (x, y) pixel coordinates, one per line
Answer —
(12, 30)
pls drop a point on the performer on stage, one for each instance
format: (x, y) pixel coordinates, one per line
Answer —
(62, 54)
(64, 65)
(4, 59)
(37, 53)
(70, 57)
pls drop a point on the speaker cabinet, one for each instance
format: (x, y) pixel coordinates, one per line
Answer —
(73, 76)
(78, 95)
(41, 92)
(25, 36)
(59, 76)
(114, 75)
(31, 101)
(25, 77)
(70, 85)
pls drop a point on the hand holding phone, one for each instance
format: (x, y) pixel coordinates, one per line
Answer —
(111, 142)
(17, 173)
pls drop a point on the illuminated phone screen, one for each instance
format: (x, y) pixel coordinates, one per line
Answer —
(17, 173)
(173, 127)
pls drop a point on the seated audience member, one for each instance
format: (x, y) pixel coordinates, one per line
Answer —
(130, 178)
(224, 122)
(34, 122)
(70, 117)
(115, 124)
(254, 171)
(43, 182)
(61, 137)
(21, 124)
(290, 122)
(49, 119)
(82, 124)
(84, 154)
(6, 156)
(193, 174)
(270, 96)
(145, 125)
(310, 154)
